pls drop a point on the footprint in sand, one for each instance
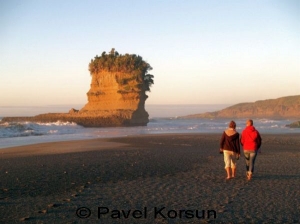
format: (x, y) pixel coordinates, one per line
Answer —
(25, 218)
(53, 205)
(42, 211)
(222, 209)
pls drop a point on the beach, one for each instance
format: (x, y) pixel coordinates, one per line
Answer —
(161, 178)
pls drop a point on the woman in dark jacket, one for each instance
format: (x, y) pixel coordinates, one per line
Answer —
(230, 145)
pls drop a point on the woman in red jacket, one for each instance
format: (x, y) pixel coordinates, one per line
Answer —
(230, 146)
(251, 142)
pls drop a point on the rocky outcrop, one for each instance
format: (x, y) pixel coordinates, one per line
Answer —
(295, 124)
(116, 96)
(284, 107)
(86, 120)
(109, 98)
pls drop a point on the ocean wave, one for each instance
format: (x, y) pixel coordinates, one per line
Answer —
(58, 123)
(23, 129)
(266, 121)
(20, 133)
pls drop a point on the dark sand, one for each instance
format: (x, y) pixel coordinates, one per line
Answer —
(47, 183)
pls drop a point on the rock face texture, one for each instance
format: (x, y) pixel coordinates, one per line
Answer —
(116, 96)
(284, 107)
(108, 98)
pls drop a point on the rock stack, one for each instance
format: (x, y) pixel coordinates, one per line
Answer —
(116, 97)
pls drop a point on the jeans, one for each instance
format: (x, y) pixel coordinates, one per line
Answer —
(250, 156)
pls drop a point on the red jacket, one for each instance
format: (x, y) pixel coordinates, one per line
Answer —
(250, 138)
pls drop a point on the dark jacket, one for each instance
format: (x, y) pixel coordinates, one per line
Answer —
(230, 141)
(250, 138)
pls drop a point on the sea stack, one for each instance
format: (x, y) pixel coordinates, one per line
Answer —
(116, 96)
(118, 88)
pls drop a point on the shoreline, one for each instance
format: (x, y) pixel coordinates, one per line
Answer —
(12, 135)
(60, 147)
(134, 135)
(50, 182)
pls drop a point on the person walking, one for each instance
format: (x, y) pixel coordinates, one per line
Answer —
(251, 142)
(230, 147)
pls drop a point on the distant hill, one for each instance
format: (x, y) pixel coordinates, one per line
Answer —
(284, 107)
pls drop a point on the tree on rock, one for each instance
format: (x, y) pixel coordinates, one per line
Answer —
(130, 69)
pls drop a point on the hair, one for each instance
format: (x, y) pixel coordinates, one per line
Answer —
(232, 124)
(249, 122)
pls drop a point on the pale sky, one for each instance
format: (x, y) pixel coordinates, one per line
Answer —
(202, 52)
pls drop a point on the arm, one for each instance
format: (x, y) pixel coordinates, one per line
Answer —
(238, 147)
(258, 140)
(242, 140)
(222, 141)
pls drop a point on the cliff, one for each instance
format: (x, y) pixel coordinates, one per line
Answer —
(284, 107)
(122, 99)
(116, 96)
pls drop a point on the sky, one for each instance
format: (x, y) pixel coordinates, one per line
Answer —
(202, 52)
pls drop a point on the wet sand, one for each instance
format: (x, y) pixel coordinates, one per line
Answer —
(148, 179)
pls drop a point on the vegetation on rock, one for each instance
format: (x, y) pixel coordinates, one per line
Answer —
(123, 64)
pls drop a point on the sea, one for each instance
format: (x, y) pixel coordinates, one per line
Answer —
(164, 119)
